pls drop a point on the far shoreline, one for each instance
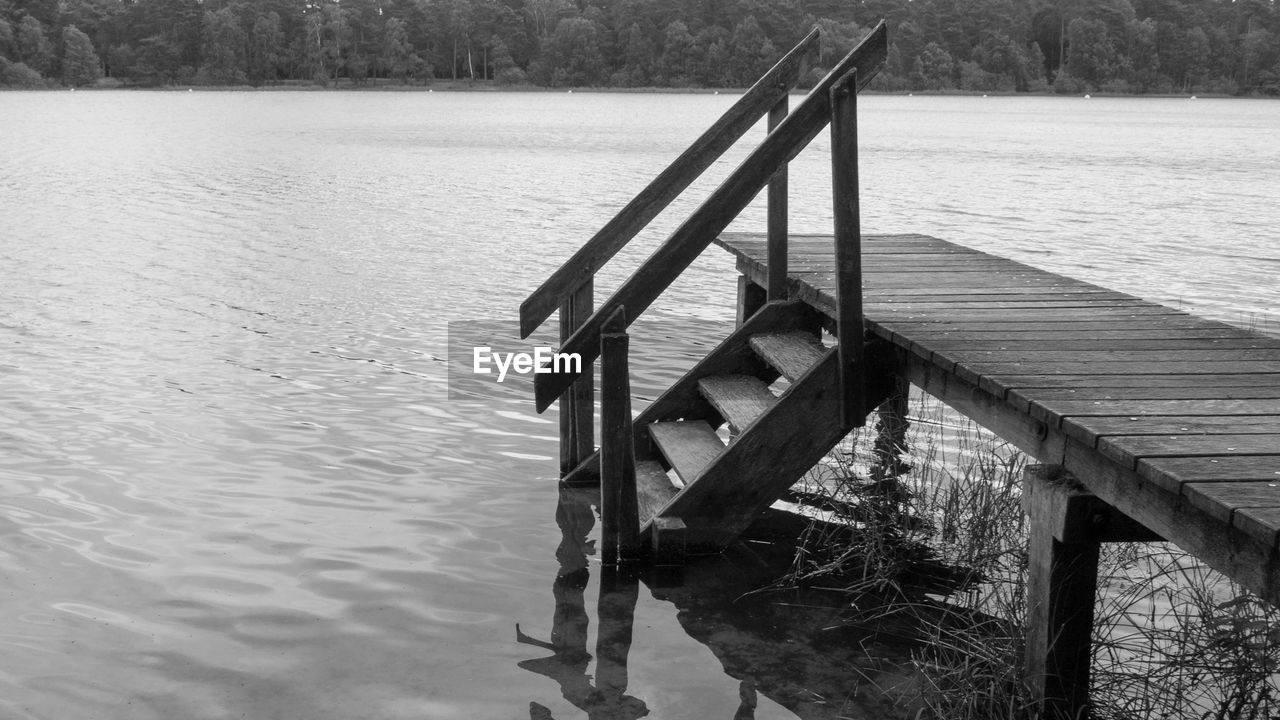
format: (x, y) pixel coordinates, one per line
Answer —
(489, 86)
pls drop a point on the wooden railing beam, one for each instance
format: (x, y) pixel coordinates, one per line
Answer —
(695, 234)
(667, 186)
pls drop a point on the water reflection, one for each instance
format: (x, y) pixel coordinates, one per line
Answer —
(567, 665)
(790, 651)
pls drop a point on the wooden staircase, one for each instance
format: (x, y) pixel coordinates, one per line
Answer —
(719, 487)
(669, 482)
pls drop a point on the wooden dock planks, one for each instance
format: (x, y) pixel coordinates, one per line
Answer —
(1171, 413)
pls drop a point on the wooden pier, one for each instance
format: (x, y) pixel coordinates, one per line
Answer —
(1149, 423)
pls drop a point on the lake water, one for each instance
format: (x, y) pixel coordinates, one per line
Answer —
(232, 483)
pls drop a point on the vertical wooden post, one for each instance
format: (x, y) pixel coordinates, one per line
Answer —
(577, 405)
(891, 436)
(619, 507)
(777, 215)
(848, 249)
(751, 297)
(1062, 580)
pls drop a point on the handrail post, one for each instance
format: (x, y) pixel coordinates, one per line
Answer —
(777, 216)
(619, 506)
(577, 404)
(848, 248)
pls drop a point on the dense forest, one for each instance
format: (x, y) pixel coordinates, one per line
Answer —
(1068, 46)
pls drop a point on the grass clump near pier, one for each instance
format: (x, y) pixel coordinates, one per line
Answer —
(923, 532)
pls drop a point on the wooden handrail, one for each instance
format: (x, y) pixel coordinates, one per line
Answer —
(714, 215)
(666, 187)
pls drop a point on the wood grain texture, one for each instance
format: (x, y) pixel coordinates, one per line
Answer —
(740, 399)
(653, 489)
(688, 445)
(791, 353)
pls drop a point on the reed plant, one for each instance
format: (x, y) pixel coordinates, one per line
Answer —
(926, 531)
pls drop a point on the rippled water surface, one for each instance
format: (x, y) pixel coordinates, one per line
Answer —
(232, 483)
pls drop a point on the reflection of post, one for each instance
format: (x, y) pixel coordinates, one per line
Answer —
(747, 701)
(891, 437)
(569, 661)
(618, 592)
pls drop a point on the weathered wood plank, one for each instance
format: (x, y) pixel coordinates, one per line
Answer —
(1029, 385)
(1128, 449)
(1152, 326)
(740, 399)
(688, 445)
(899, 306)
(1206, 367)
(653, 489)
(1089, 429)
(1148, 357)
(1082, 342)
(1258, 521)
(1226, 501)
(1170, 473)
(1051, 410)
(1025, 315)
(791, 353)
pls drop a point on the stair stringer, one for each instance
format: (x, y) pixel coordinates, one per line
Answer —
(772, 453)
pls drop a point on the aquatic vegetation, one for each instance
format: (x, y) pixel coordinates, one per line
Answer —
(922, 529)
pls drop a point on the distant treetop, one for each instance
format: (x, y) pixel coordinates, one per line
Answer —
(1070, 46)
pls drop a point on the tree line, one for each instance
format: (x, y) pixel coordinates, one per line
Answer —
(1069, 46)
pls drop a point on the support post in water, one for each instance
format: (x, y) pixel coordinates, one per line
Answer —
(619, 506)
(751, 297)
(577, 404)
(1068, 525)
(890, 445)
(777, 214)
(1062, 577)
(848, 248)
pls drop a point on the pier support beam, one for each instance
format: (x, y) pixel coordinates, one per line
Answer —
(751, 297)
(1068, 524)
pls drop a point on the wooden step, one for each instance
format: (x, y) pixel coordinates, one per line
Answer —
(739, 399)
(653, 489)
(688, 446)
(791, 353)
